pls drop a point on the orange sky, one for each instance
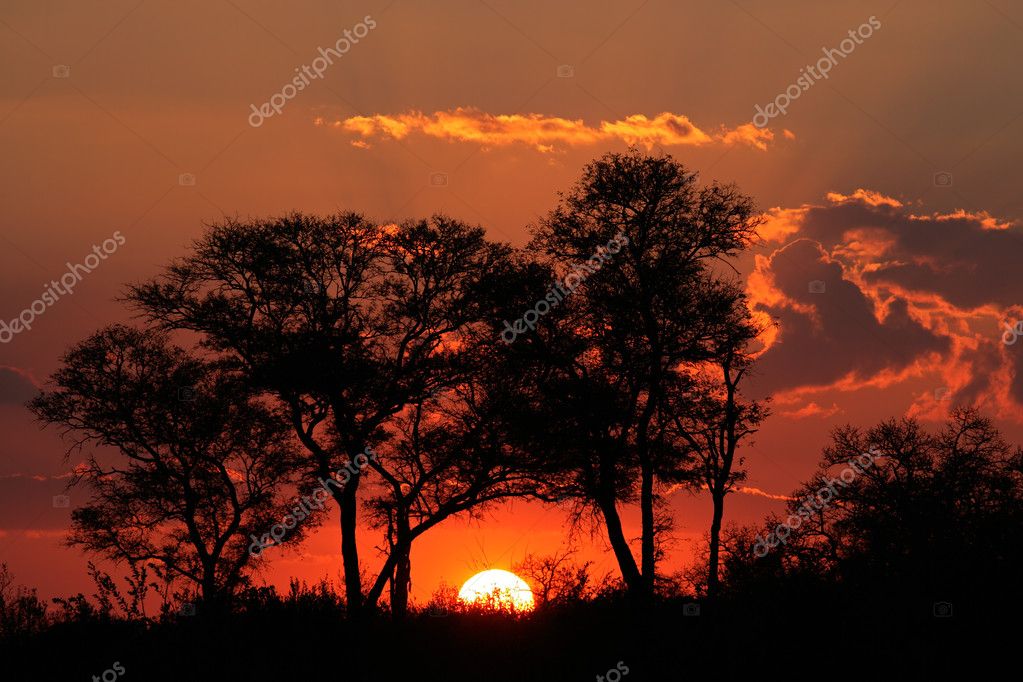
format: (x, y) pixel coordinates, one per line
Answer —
(483, 110)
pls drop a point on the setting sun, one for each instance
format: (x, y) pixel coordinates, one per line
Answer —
(509, 340)
(497, 589)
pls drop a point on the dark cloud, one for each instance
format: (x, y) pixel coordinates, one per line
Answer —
(830, 334)
(983, 364)
(968, 259)
(946, 282)
(16, 386)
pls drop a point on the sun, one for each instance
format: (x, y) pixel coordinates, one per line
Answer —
(498, 590)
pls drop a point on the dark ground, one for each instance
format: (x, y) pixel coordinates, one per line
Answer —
(813, 634)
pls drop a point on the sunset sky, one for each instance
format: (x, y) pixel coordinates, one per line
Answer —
(890, 190)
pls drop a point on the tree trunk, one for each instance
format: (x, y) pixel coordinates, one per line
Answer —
(384, 578)
(215, 601)
(646, 501)
(347, 499)
(626, 562)
(648, 546)
(402, 583)
(402, 580)
(715, 543)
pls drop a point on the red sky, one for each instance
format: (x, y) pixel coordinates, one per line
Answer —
(895, 181)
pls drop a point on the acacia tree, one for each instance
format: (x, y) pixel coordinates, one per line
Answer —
(898, 511)
(652, 308)
(446, 456)
(345, 321)
(576, 416)
(706, 416)
(199, 463)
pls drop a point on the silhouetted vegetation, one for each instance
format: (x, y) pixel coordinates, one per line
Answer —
(441, 373)
(200, 463)
(935, 515)
(654, 313)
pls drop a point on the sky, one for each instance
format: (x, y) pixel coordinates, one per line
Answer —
(889, 187)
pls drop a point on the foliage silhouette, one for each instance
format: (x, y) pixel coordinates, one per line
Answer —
(619, 343)
(937, 516)
(349, 324)
(199, 461)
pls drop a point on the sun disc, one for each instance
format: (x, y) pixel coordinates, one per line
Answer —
(497, 589)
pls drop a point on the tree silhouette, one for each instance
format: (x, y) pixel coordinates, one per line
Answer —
(557, 580)
(648, 310)
(199, 465)
(446, 456)
(707, 418)
(347, 322)
(921, 514)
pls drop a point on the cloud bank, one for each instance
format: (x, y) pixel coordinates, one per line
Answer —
(870, 291)
(545, 133)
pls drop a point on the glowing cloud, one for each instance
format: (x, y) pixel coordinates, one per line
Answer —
(866, 196)
(868, 293)
(757, 492)
(812, 409)
(542, 132)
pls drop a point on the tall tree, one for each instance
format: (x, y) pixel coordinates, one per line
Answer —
(706, 416)
(199, 464)
(346, 321)
(642, 313)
